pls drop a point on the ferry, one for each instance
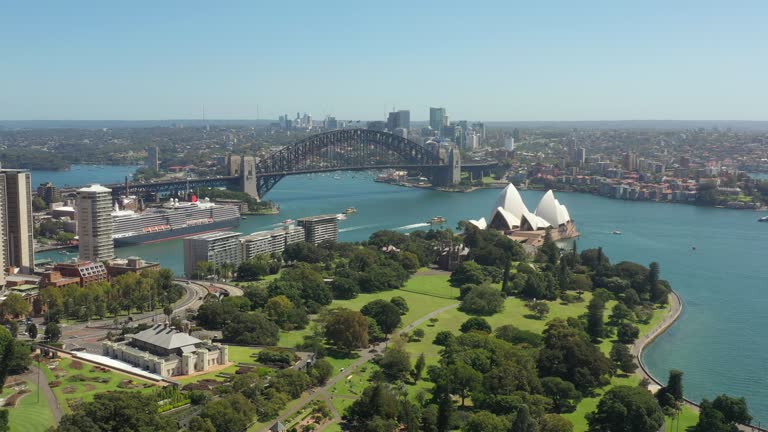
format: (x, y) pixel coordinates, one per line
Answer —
(763, 219)
(341, 216)
(350, 210)
(616, 232)
(437, 220)
(174, 219)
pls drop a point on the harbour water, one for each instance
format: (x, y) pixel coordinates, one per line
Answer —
(718, 341)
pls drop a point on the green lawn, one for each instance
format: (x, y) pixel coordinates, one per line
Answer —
(72, 389)
(588, 405)
(238, 354)
(210, 375)
(29, 415)
(688, 418)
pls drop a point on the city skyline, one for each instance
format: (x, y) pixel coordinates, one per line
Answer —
(493, 62)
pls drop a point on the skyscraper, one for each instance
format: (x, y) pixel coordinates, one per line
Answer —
(94, 223)
(153, 158)
(16, 198)
(437, 118)
(399, 119)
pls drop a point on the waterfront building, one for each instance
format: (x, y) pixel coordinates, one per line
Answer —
(512, 217)
(217, 248)
(166, 351)
(318, 229)
(119, 266)
(268, 242)
(153, 158)
(630, 161)
(16, 221)
(94, 223)
(48, 193)
(437, 119)
(80, 272)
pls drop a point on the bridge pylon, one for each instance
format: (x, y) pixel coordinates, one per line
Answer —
(249, 181)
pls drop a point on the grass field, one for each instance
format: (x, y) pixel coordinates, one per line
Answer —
(72, 389)
(29, 415)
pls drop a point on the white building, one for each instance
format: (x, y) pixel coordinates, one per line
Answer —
(94, 223)
(216, 247)
(165, 351)
(274, 241)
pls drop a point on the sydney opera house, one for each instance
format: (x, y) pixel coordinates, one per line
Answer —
(511, 216)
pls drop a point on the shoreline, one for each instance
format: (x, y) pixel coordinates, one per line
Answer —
(676, 309)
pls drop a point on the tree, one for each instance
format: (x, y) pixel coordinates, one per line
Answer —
(627, 333)
(483, 421)
(321, 371)
(523, 420)
(291, 382)
(722, 414)
(734, 409)
(14, 305)
(242, 303)
(386, 314)
(475, 324)
(346, 329)
(483, 300)
(626, 408)
(548, 252)
(586, 365)
(396, 362)
(418, 368)
(32, 331)
(514, 335)
(620, 313)
(540, 309)
(251, 329)
(564, 395)
(282, 311)
(467, 272)
(215, 315)
(345, 288)
(595, 313)
(52, 332)
(400, 303)
(534, 286)
(443, 338)
(117, 411)
(463, 380)
(378, 400)
(622, 358)
(555, 423)
(252, 269)
(199, 424)
(445, 413)
(232, 413)
(675, 384)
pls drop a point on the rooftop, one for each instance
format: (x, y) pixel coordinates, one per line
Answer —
(163, 336)
(215, 235)
(318, 218)
(94, 188)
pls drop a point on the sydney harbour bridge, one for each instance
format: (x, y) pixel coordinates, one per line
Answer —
(336, 150)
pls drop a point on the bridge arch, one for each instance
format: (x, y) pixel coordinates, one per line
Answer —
(336, 150)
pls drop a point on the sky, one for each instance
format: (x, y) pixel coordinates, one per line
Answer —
(481, 60)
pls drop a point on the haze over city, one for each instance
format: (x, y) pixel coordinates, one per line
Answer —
(488, 60)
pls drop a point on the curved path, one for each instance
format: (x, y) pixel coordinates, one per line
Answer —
(676, 309)
(366, 355)
(36, 376)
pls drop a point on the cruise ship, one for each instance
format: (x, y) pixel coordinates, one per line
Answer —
(173, 220)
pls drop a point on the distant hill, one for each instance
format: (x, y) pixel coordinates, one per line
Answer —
(116, 124)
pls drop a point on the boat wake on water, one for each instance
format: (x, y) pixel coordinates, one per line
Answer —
(355, 228)
(412, 226)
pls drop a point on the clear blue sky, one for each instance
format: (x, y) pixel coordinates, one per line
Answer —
(481, 60)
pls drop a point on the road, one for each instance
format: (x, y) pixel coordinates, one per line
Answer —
(366, 355)
(88, 334)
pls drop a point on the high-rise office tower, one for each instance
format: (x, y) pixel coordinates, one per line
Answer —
(153, 158)
(48, 192)
(94, 223)
(16, 198)
(437, 118)
(399, 120)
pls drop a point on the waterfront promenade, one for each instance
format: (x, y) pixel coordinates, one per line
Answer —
(675, 310)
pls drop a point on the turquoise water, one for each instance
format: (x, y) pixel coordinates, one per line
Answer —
(717, 342)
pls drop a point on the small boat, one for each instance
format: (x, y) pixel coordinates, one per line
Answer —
(288, 221)
(350, 210)
(341, 216)
(763, 219)
(243, 218)
(437, 220)
(616, 232)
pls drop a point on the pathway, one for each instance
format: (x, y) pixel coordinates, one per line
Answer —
(33, 375)
(366, 355)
